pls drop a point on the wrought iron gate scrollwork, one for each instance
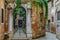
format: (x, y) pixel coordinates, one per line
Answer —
(22, 13)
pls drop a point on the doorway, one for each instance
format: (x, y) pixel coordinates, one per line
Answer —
(48, 25)
(20, 23)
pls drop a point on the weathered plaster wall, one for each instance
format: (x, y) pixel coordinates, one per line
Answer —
(1, 6)
(1, 24)
(38, 26)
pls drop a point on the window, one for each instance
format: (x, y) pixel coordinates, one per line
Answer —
(2, 15)
(58, 15)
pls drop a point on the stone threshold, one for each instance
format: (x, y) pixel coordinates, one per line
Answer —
(19, 38)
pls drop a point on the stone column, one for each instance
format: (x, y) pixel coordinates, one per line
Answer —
(10, 20)
(10, 11)
(28, 21)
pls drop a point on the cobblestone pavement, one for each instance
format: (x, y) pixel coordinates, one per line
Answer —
(49, 36)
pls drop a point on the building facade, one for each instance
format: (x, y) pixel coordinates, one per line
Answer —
(57, 18)
(51, 16)
(27, 12)
(1, 19)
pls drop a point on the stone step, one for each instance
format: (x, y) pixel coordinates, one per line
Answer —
(20, 38)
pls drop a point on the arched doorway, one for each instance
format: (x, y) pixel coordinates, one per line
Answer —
(20, 22)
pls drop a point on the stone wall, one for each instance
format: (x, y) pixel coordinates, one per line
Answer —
(57, 22)
(38, 21)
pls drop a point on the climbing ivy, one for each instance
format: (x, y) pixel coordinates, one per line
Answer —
(46, 5)
(38, 2)
(21, 11)
(18, 3)
(41, 4)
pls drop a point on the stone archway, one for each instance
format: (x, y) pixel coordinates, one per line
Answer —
(20, 22)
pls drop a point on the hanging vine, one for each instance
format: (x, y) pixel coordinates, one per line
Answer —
(46, 5)
(38, 2)
(41, 4)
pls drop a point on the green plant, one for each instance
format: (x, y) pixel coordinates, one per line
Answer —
(38, 2)
(41, 4)
(18, 3)
(19, 10)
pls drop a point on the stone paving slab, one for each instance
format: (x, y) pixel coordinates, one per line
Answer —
(49, 36)
(19, 33)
